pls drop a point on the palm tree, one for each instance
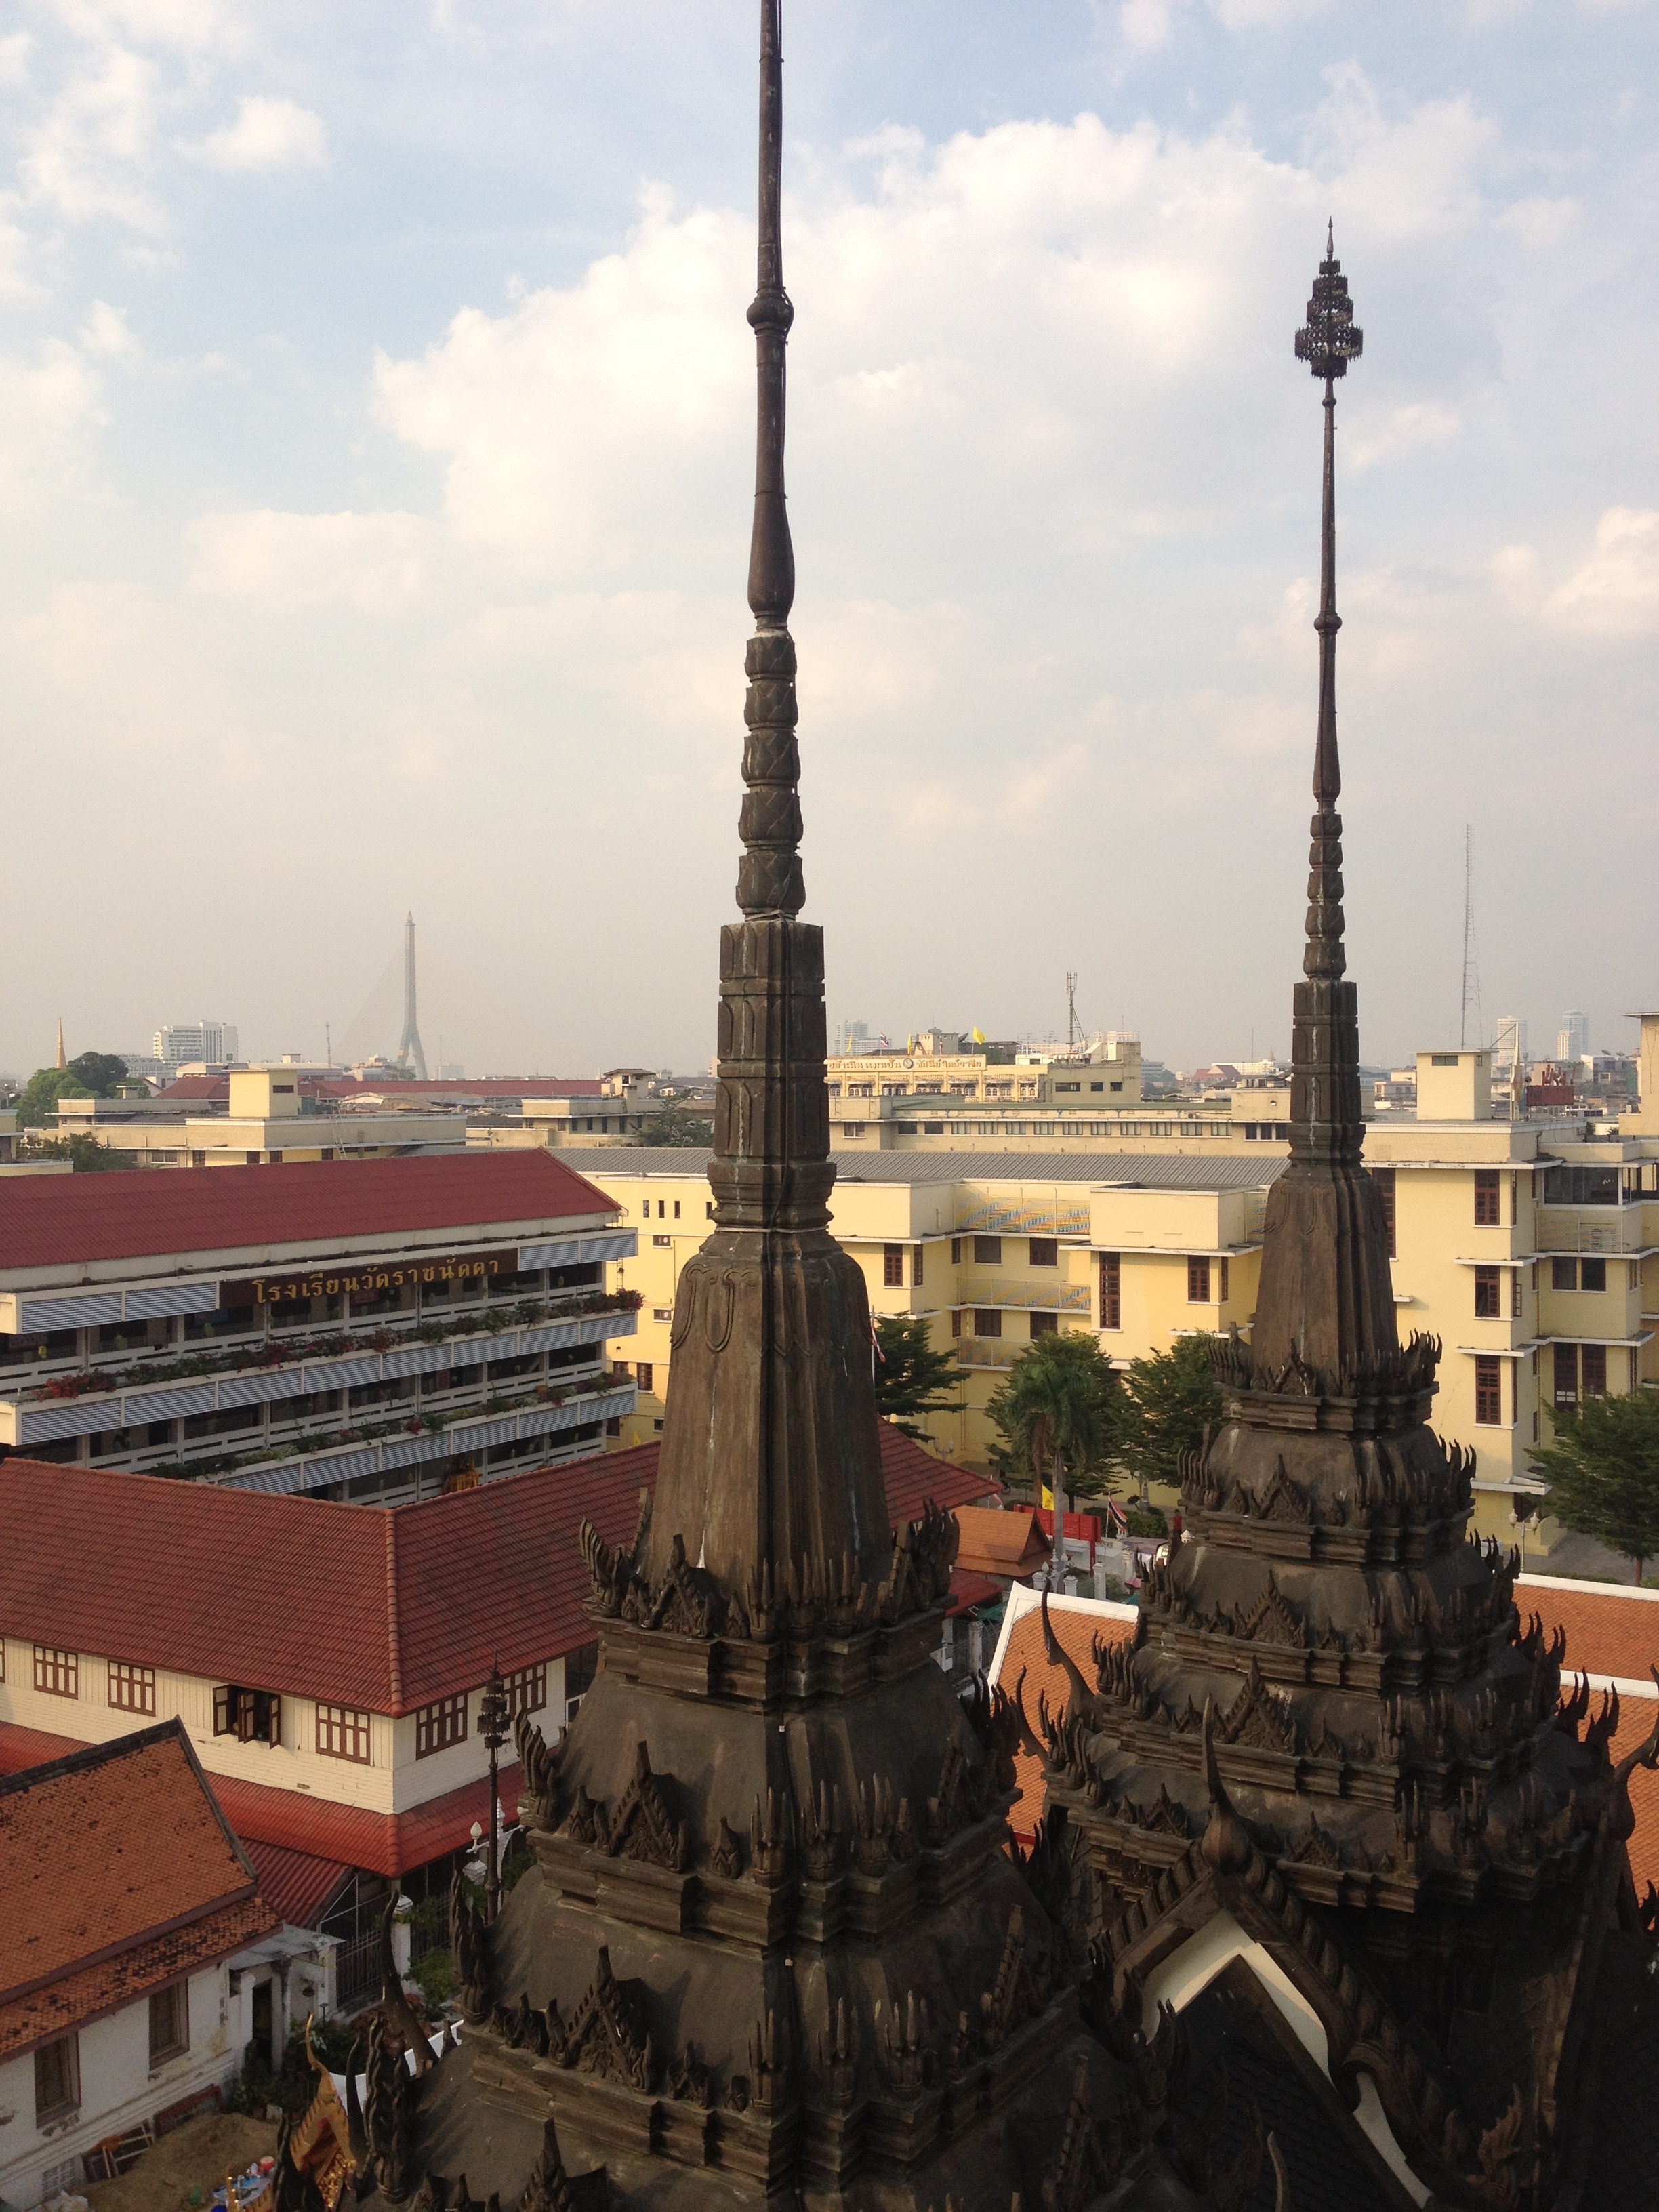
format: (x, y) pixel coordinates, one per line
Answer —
(1055, 1405)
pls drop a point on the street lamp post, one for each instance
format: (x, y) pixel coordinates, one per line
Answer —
(492, 1727)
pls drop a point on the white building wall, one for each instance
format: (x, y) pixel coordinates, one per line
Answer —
(119, 2087)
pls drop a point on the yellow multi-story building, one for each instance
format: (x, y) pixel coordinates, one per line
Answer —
(1530, 1249)
(991, 1250)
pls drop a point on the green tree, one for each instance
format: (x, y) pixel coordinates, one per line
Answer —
(103, 1072)
(911, 1378)
(1170, 1399)
(1603, 1473)
(86, 1155)
(88, 1075)
(668, 1127)
(39, 1098)
(1058, 1415)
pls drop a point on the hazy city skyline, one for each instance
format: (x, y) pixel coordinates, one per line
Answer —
(370, 467)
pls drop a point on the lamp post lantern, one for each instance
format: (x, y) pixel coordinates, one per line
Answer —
(492, 1727)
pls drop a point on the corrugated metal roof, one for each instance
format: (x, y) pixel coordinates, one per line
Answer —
(1126, 1170)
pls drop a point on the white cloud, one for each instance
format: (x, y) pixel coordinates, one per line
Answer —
(48, 406)
(105, 331)
(267, 135)
(89, 154)
(1616, 591)
(15, 53)
(376, 564)
(1402, 430)
(1145, 24)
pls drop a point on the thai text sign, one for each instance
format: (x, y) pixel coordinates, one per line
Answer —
(368, 1277)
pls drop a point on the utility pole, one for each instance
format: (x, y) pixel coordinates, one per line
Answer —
(492, 1727)
(1471, 1031)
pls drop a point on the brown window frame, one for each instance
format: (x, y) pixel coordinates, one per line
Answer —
(1488, 1199)
(442, 1724)
(955, 1251)
(1222, 1286)
(57, 2068)
(169, 2009)
(1564, 1374)
(1564, 1272)
(892, 1267)
(1518, 1295)
(917, 1264)
(1593, 1273)
(251, 1716)
(57, 1673)
(1111, 1291)
(987, 1251)
(131, 1689)
(1197, 1279)
(1592, 1371)
(343, 1732)
(645, 1375)
(1488, 1294)
(988, 1320)
(1045, 1251)
(1045, 1324)
(1488, 1392)
(526, 1689)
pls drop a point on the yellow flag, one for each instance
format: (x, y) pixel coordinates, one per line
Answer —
(1048, 1499)
(978, 1036)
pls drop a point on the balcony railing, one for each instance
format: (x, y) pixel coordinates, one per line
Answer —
(1605, 1228)
(47, 1418)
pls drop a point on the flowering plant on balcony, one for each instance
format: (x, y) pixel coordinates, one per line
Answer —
(292, 1352)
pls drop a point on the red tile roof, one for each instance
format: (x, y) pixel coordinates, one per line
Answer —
(52, 1220)
(297, 1836)
(25, 1746)
(120, 1871)
(295, 1884)
(420, 1598)
(353, 1835)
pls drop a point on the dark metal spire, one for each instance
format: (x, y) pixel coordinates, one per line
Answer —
(769, 878)
(770, 1453)
(1328, 1125)
(1325, 1295)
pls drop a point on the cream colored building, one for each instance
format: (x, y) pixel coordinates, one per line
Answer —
(267, 1123)
(911, 1100)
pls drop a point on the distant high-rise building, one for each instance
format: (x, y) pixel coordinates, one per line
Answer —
(1572, 1041)
(851, 1038)
(178, 1042)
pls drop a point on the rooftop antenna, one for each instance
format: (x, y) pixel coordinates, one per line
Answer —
(1471, 1026)
(328, 1044)
(1071, 1009)
(410, 1054)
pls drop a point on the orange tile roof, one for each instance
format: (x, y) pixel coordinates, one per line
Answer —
(1609, 1632)
(46, 1221)
(1000, 1543)
(1026, 1655)
(420, 1598)
(24, 1746)
(1636, 1717)
(120, 1870)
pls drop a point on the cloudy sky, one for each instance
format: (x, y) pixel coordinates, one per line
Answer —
(375, 452)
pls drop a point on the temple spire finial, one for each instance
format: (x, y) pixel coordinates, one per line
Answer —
(769, 879)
